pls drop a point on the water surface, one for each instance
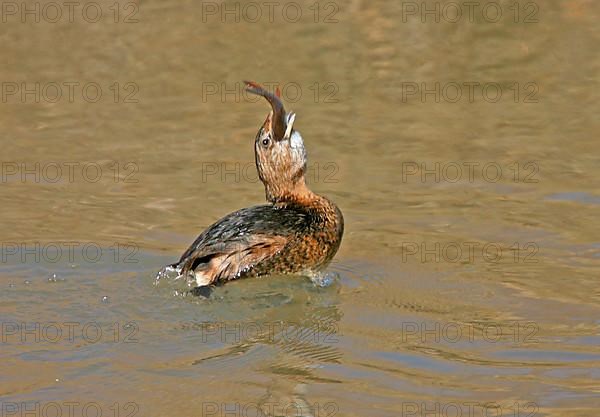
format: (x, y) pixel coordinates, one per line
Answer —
(476, 293)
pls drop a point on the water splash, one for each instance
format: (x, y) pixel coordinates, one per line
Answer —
(171, 277)
(324, 279)
(168, 273)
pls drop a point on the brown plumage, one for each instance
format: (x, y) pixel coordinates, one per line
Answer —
(297, 232)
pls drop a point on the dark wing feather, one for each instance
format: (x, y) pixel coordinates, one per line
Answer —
(243, 238)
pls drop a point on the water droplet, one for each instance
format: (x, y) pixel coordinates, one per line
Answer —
(324, 279)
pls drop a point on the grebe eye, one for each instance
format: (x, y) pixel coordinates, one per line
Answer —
(266, 142)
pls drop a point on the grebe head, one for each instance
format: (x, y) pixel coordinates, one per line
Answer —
(279, 150)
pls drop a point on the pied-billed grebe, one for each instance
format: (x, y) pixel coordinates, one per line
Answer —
(297, 232)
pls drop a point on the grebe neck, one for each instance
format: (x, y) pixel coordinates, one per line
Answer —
(296, 193)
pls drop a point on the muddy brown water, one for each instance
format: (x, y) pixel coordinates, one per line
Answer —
(463, 153)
